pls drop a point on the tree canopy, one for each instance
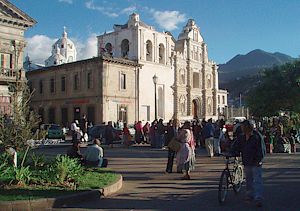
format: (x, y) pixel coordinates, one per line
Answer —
(278, 90)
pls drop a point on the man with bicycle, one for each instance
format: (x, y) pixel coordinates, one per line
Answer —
(249, 143)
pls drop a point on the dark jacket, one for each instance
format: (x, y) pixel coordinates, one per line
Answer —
(251, 149)
(208, 131)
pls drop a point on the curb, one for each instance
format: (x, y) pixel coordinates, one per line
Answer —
(61, 201)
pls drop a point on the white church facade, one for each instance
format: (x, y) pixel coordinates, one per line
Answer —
(187, 81)
(118, 84)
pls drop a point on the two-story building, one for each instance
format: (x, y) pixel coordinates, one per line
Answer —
(13, 24)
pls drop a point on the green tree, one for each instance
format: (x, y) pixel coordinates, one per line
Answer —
(278, 90)
(22, 124)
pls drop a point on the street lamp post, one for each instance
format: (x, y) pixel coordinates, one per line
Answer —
(155, 79)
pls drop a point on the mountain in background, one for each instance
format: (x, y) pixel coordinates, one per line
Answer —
(250, 64)
(240, 74)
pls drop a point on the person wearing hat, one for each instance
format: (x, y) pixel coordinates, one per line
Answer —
(250, 145)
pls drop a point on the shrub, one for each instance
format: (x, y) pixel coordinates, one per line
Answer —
(38, 160)
(23, 175)
(67, 169)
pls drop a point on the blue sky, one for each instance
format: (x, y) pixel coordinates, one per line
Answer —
(229, 27)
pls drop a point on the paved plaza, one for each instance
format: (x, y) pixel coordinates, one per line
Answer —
(147, 187)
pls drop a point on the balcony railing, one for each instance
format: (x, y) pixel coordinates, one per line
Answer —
(7, 74)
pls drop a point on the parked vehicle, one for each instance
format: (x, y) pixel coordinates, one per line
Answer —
(98, 131)
(54, 131)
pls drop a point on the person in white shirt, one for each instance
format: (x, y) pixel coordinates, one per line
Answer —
(94, 154)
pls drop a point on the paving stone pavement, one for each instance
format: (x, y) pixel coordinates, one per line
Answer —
(147, 187)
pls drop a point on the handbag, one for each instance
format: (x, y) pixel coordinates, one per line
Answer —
(174, 145)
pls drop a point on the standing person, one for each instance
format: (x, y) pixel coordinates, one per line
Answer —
(84, 126)
(185, 157)
(94, 154)
(139, 134)
(196, 132)
(217, 136)
(126, 135)
(152, 133)
(161, 132)
(146, 130)
(109, 134)
(74, 130)
(208, 135)
(250, 144)
(172, 131)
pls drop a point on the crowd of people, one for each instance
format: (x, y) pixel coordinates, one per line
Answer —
(247, 138)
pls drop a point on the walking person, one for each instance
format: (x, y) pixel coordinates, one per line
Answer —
(251, 145)
(208, 135)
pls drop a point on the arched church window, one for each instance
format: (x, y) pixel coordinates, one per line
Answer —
(70, 59)
(108, 48)
(148, 50)
(62, 46)
(161, 53)
(160, 102)
(125, 48)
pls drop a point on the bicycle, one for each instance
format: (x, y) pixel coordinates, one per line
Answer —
(230, 178)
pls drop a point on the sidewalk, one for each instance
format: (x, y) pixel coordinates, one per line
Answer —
(147, 187)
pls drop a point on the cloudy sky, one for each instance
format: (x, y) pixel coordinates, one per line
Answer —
(229, 27)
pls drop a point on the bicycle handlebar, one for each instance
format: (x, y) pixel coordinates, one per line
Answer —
(229, 155)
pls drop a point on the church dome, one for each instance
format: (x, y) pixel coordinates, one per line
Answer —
(63, 51)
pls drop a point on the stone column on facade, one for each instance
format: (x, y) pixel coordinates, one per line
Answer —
(142, 45)
(203, 90)
(175, 93)
(189, 76)
(154, 54)
(215, 89)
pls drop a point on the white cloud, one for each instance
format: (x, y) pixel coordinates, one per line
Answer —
(66, 1)
(86, 49)
(39, 48)
(168, 19)
(104, 10)
(129, 10)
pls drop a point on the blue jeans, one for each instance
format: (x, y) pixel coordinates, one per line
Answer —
(254, 182)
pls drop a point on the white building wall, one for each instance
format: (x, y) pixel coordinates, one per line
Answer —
(146, 90)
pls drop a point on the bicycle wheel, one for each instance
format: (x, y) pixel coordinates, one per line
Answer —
(223, 187)
(238, 176)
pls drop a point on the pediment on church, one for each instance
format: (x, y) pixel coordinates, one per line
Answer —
(12, 15)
